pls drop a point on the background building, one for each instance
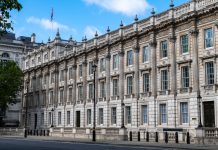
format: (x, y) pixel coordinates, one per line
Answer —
(157, 74)
(12, 48)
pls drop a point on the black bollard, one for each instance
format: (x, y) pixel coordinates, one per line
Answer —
(188, 138)
(44, 132)
(176, 137)
(40, 132)
(34, 132)
(47, 132)
(147, 136)
(166, 137)
(156, 136)
(130, 135)
(139, 136)
(37, 133)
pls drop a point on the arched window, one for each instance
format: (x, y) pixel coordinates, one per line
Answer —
(5, 55)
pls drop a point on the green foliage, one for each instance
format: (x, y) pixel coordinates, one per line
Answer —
(6, 6)
(10, 82)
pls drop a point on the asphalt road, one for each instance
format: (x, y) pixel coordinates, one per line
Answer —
(22, 144)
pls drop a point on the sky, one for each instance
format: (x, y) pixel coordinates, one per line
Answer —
(79, 18)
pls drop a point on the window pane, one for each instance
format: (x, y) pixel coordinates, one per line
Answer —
(163, 49)
(163, 115)
(145, 54)
(113, 115)
(185, 77)
(146, 82)
(129, 57)
(164, 80)
(209, 73)
(129, 85)
(184, 43)
(184, 112)
(208, 38)
(144, 114)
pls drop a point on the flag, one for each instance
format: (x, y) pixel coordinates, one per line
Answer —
(52, 14)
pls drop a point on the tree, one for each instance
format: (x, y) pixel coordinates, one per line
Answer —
(6, 6)
(10, 83)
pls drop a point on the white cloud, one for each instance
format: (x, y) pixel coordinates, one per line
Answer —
(126, 7)
(47, 24)
(90, 31)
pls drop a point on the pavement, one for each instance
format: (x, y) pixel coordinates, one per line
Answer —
(101, 144)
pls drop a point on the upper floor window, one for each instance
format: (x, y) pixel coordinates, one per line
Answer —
(90, 68)
(33, 61)
(102, 64)
(115, 87)
(39, 59)
(115, 61)
(80, 70)
(91, 90)
(80, 92)
(70, 94)
(184, 43)
(129, 58)
(209, 73)
(52, 77)
(27, 64)
(102, 89)
(62, 75)
(70, 73)
(129, 85)
(163, 49)
(45, 56)
(52, 54)
(51, 97)
(164, 80)
(61, 96)
(208, 38)
(185, 77)
(145, 82)
(145, 54)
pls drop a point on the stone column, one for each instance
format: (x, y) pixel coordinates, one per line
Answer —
(173, 77)
(136, 77)
(107, 58)
(65, 91)
(194, 34)
(84, 91)
(74, 91)
(121, 83)
(47, 95)
(108, 81)
(55, 98)
(153, 78)
(172, 49)
(84, 80)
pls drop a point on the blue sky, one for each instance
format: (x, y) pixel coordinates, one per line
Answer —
(80, 17)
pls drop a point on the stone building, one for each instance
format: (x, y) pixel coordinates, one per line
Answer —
(157, 74)
(12, 48)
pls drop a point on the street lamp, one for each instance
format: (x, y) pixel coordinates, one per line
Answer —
(93, 131)
(199, 105)
(26, 105)
(52, 118)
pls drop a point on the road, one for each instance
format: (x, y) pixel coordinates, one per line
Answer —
(22, 144)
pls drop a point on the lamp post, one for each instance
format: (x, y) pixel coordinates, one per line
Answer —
(52, 117)
(199, 105)
(93, 131)
(26, 109)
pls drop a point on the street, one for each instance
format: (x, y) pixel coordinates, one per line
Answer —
(23, 144)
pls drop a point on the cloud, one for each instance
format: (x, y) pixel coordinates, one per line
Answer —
(47, 24)
(90, 31)
(126, 7)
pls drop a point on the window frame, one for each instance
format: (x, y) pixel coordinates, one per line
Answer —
(163, 113)
(129, 85)
(184, 45)
(211, 38)
(210, 80)
(186, 113)
(129, 58)
(185, 80)
(164, 81)
(163, 49)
